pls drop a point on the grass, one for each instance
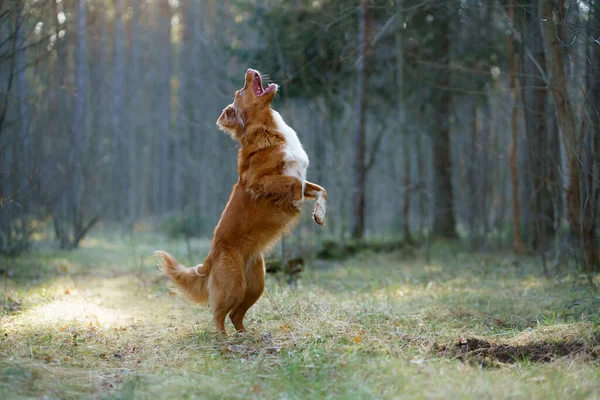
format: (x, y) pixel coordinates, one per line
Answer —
(102, 322)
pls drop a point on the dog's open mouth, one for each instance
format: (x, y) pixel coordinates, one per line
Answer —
(258, 87)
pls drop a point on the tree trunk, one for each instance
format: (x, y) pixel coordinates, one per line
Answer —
(133, 206)
(535, 112)
(23, 114)
(118, 114)
(358, 228)
(24, 167)
(594, 110)
(444, 224)
(580, 204)
(518, 246)
(402, 125)
(79, 125)
(165, 105)
(472, 167)
(181, 122)
(538, 140)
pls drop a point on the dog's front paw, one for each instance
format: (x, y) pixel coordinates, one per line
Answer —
(320, 209)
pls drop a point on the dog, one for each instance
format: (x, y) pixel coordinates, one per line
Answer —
(264, 206)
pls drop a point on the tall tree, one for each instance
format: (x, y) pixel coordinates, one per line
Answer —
(594, 105)
(118, 112)
(360, 111)
(132, 143)
(534, 97)
(23, 112)
(79, 112)
(444, 223)
(164, 117)
(402, 123)
(79, 131)
(518, 246)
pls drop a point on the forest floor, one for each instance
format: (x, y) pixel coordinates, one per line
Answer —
(102, 322)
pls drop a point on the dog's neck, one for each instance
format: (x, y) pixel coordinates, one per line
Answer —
(261, 133)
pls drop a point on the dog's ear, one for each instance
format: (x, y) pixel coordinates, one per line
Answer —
(229, 121)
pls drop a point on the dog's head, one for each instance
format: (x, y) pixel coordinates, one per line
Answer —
(251, 103)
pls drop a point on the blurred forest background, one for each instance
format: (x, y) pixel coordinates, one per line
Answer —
(471, 119)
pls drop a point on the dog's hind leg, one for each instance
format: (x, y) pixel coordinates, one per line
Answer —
(227, 287)
(255, 284)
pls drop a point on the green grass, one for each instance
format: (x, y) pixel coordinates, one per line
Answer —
(102, 322)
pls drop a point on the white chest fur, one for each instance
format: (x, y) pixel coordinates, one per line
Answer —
(295, 158)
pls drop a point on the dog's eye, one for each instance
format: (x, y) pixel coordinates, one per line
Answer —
(241, 92)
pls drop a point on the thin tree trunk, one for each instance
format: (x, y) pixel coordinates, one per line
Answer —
(518, 246)
(444, 221)
(165, 109)
(594, 110)
(23, 114)
(135, 96)
(56, 101)
(181, 122)
(402, 125)
(358, 228)
(79, 125)
(534, 107)
(118, 114)
(538, 142)
(423, 195)
(472, 166)
(24, 168)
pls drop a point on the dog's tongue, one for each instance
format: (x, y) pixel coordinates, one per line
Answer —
(270, 88)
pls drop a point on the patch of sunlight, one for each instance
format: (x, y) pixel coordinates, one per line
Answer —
(67, 311)
(530, 283)
(555, 333)
(41, 236)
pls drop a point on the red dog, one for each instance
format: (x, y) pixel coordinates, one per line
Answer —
(264, 205)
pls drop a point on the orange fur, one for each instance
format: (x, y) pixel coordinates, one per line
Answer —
(263, 206)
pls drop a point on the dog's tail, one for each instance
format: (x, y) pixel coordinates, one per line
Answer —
(192, 282)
